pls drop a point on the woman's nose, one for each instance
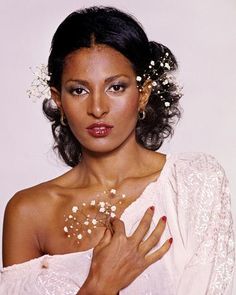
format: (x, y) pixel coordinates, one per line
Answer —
(98, 105)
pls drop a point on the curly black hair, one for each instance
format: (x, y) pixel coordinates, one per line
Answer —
(121, 31)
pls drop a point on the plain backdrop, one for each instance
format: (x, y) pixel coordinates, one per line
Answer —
(202, 35)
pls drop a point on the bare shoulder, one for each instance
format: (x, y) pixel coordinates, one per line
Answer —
(25, 216)
(27, 201)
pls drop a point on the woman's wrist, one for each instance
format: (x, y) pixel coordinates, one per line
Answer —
(93, 287)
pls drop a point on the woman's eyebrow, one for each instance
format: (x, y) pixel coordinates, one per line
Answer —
(107, 80)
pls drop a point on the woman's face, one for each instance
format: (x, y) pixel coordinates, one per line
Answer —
(99, 98)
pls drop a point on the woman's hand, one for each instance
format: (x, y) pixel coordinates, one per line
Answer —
(118, 260)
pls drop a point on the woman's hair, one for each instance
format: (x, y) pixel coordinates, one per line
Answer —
(114, 28)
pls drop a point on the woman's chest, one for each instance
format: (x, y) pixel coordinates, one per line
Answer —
(79, 224)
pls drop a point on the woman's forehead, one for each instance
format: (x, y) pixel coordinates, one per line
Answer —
(96, 60)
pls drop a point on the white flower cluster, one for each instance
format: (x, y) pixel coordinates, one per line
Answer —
(83, 219)
(158, 74)
(39, 87)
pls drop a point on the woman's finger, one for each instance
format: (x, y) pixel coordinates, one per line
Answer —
(158, 254)
(105, 240)
(143, 226)
(154, 238)
(118, 226)
(106, 237)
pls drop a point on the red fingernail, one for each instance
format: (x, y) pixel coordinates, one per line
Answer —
(164, 218)
(170, 240)
(152, 208)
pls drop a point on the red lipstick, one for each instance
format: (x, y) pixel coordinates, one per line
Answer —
(99, 129)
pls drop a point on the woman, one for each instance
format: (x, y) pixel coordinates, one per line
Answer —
(107, 225)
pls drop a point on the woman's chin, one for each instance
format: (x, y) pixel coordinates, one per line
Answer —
(101, 149)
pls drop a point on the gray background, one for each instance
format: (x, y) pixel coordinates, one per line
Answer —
(202, 34)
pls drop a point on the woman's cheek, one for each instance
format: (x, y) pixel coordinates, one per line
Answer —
(128, 104)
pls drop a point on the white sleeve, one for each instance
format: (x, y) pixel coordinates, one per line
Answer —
(34, 277)
(210, 239)
(20, 279)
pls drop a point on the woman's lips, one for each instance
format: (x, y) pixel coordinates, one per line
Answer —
(99, 129)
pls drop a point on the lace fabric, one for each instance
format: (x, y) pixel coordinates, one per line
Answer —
(206, 190)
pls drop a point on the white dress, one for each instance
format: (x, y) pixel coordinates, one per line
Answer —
(192, 191)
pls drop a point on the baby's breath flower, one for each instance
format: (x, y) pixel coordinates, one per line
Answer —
(102, 204)
(39, 87)
(94, 221)
(84, 219)
(74, 209)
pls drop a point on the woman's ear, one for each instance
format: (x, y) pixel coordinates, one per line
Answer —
(56, 96)
(144, 94)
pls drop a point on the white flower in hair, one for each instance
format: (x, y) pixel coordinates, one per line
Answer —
(138, 78)
(167, 66)
(163, 82)
(39, 87)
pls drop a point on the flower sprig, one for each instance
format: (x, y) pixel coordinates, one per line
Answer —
(162, 80)
(39, 87)
(86, 217)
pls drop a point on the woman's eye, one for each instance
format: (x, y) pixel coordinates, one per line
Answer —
(117, 88)
(78, 91)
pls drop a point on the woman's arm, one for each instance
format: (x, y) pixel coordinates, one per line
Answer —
(20, 242)
(210, 238)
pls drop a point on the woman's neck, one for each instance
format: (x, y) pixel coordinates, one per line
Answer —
(110, 169)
